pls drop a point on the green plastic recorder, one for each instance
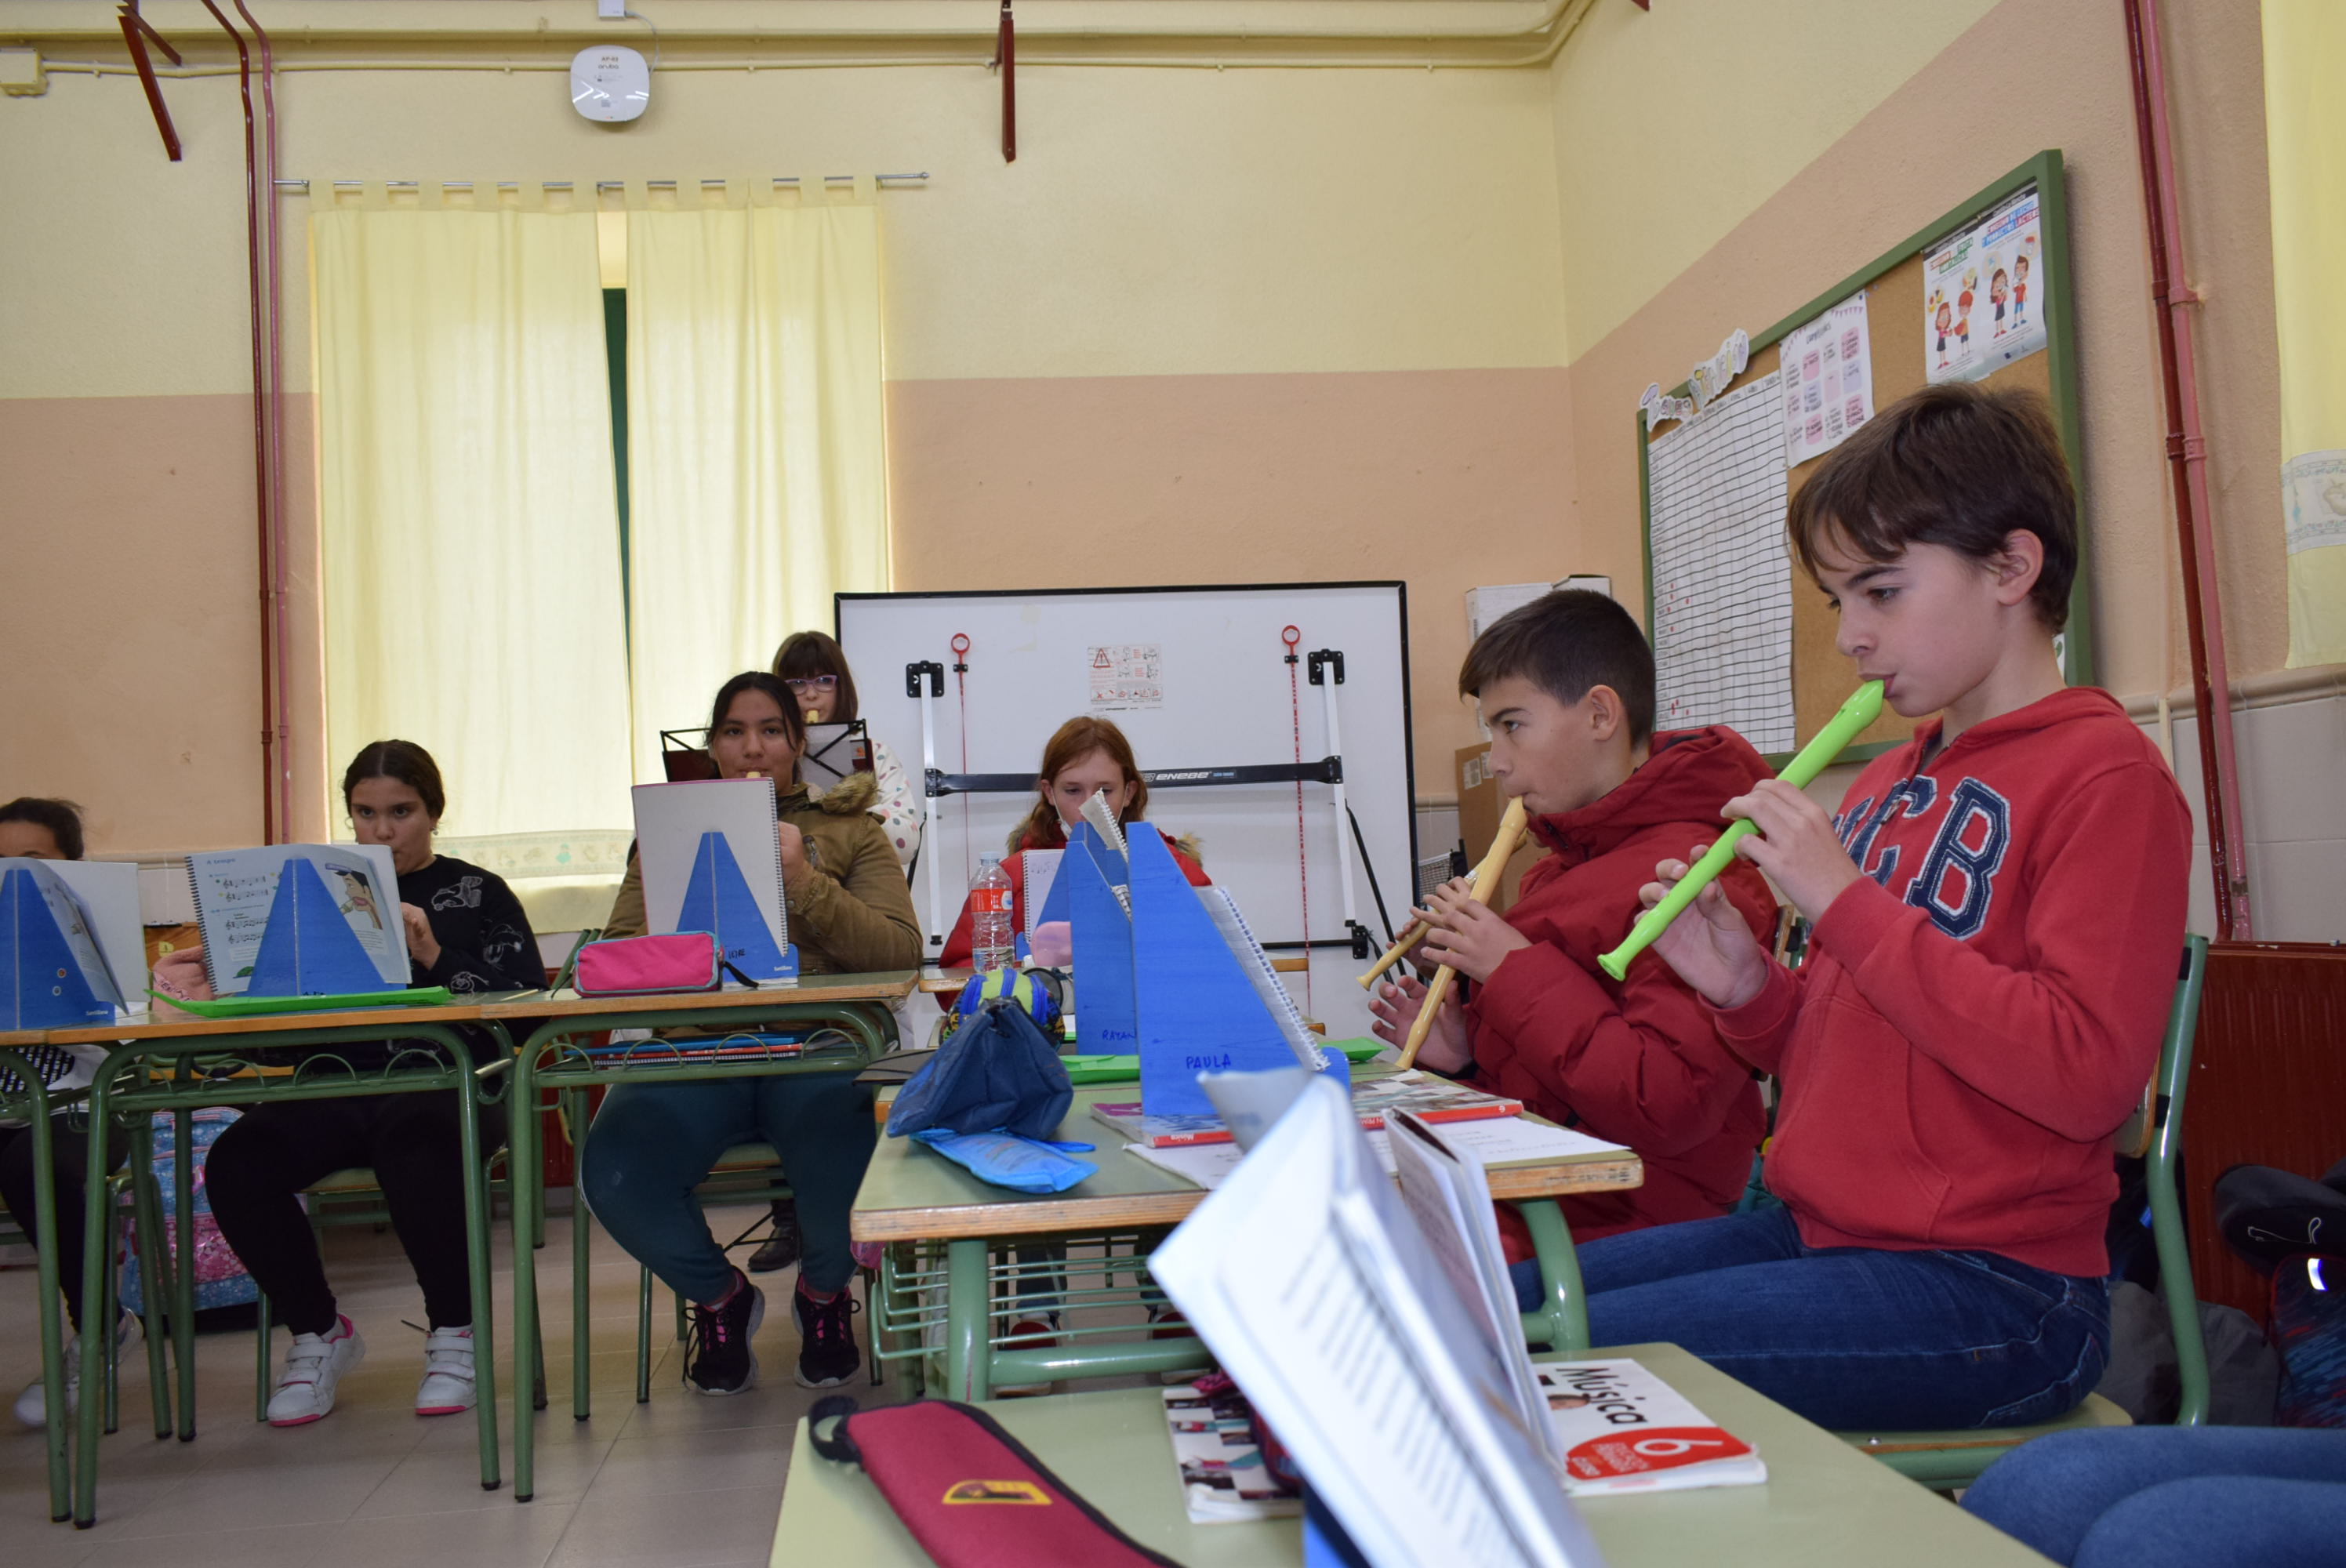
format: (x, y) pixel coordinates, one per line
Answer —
(1864, 706)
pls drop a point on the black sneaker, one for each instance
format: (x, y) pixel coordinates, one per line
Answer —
(827, 1353)
(716, 1355)
(785, 1246)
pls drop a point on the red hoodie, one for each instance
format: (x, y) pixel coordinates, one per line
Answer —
(957, 950)
(1638, 1062)
(1979, 1014)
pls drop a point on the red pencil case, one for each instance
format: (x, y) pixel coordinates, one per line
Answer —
(972, 1494)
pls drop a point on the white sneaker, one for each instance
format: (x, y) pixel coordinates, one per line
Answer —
(313, 1365)
(33, 1404)
(447, 1385)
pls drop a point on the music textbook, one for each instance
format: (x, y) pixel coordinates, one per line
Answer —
(1622, 1428)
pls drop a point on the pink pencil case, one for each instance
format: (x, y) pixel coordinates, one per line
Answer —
(647, 965)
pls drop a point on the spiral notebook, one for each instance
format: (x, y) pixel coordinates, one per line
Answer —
(236, 895)
(711, 855)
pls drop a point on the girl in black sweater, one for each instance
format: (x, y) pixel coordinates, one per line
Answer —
(465, 930)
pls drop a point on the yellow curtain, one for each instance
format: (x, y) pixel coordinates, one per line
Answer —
(757, 473)
(2305, 139)
(469, 516)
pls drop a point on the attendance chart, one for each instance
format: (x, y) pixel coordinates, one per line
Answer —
(1722, 583)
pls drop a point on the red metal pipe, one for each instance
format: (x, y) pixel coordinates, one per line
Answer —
(134, 34)
(1005, 56)
(272, 826)
(280, 682)
(2187, 452)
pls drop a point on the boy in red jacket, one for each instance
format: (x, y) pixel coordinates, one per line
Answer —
(1566, 686)
(1997, 915)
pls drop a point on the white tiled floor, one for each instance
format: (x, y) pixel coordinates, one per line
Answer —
(682, 1481)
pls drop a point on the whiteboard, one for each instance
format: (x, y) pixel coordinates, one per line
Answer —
(1217, 695)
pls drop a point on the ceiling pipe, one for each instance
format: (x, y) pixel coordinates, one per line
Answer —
(136, 35)
(2187, 452)
(280, 682)
(261, 283)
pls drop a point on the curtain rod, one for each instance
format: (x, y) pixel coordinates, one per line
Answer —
(302, 186)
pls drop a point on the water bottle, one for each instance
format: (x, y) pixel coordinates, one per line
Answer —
(992, 925)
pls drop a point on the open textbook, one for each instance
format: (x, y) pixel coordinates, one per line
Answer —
(236, 902)
(72, 945)
(1319, 1291)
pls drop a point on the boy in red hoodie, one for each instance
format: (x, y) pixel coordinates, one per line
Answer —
(1566, 686)
(1997, 912)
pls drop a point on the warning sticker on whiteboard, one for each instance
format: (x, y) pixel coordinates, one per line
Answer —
(1127, 675)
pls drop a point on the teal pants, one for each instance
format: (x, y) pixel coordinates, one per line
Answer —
(652, 1144)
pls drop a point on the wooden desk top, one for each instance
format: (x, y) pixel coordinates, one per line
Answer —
(911, 1193)
(890, 987)
(1823, 1503)
(187, 1026)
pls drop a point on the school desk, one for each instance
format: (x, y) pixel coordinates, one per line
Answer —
(33, 1103)
(939, 1224)
(1823, 1503)
(179, 1064)
(860, 1006)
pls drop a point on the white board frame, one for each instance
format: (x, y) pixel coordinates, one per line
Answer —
(1024, 683)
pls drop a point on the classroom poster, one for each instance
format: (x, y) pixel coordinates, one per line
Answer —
(1983, 293)
(1127, 676)
(1827, 367)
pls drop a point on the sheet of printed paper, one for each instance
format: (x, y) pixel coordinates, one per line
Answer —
(1722, 625)
(1501, 1140)
(1983, 293)
(1828, 369)
(1127, 676)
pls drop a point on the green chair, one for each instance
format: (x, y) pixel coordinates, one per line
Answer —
(746, 1172)
(1945, 1461)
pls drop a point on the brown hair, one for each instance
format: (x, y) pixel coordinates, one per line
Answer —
(1564, 643)
(770, 685)
(1075, 740)
(61, 817)
(403, 760)
(805, 653)
(1957, 465)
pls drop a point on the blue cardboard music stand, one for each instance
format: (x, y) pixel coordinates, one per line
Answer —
(308, 947)
(1105, 1021)
(717, 900)
(1198, 1012)
(41, 983)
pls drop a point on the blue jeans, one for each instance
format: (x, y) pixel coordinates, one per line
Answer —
(653, 1143)
(2173, 1497)
(1848, 1336)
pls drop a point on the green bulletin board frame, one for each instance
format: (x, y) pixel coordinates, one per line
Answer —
(2047, 172)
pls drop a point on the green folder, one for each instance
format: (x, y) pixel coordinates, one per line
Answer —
(1126, 1069)
(254, 1006)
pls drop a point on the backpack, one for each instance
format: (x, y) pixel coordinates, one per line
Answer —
(221, 1279)
(2294, 1230)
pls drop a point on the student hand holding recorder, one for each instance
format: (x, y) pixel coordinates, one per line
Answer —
(1470, 937)
(1711, 946)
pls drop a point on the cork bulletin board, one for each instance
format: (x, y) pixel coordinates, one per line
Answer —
(1894, 285)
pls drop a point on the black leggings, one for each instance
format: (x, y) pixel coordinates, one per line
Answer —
(70, 1160)
(411, 1141)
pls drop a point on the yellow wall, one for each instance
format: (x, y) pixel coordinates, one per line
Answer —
(1273, 321)
(1672, 127)
(2027, 74)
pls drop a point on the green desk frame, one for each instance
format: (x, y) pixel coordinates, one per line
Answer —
(434, 1057)
(37, 1107)
(860, 1006)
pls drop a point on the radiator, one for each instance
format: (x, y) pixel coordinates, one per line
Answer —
(2268, 1088)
